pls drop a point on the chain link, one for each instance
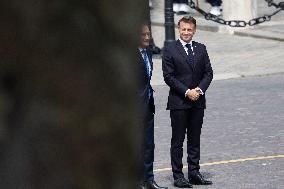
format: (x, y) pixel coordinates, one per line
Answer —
(279, 5)
(239, 23)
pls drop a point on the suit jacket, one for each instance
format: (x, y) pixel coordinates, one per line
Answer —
(180, 74)
(144, 82)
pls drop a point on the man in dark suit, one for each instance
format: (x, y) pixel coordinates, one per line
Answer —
(188, 73)
(146, 95)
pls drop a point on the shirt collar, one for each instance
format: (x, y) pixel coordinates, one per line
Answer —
(184, 43)
(141, 49)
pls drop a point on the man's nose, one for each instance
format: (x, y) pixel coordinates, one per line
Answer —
(187, 32)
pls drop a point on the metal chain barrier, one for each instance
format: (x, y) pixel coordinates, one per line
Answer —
(279, 5)
(239, 23)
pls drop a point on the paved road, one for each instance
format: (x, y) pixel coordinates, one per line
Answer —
(274, 29)
(244, 118)
(231, 56)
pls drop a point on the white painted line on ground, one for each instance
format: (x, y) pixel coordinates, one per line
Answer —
(228, 161)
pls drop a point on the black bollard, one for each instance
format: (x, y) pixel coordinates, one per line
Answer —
(169, 22)
(155, 49)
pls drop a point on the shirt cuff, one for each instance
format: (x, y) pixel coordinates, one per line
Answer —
(185, 95)
(200, 91)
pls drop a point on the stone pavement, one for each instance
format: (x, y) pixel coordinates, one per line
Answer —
(273, 29)
(232, 56)
(245, 112)
(242, 120)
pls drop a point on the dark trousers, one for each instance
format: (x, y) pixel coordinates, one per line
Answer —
(214, 3)
(188, 122)
(149, 146)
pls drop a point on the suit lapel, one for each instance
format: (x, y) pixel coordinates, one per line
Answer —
(194, 46)
(183, 53)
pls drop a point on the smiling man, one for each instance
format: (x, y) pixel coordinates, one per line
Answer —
(188, 73)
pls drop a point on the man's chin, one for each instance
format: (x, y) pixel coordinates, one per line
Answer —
(186, 39)
(146, 44)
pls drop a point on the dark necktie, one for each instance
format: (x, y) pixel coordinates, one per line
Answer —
(189, 53)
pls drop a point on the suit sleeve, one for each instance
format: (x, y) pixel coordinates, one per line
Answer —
(207, 74)
(169, 73)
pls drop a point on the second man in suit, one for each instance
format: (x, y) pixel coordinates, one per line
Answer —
(188, 73)
(146, 96)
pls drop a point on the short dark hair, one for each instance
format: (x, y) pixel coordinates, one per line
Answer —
(145, 24)
(187, 19)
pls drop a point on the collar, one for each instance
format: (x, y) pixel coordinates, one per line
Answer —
(141, 49)
(184, 43)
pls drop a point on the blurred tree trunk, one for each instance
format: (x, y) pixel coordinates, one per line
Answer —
(67, 94)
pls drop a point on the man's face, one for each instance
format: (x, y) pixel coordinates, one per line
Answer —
(145, 37)
(186, 31)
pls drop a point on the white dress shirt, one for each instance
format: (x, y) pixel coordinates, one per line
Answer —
(147, 61)
(186, 50)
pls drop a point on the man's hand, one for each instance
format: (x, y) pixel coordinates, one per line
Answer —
(193, 94)
(198, 90)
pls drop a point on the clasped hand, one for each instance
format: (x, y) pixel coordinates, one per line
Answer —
(193, 94)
